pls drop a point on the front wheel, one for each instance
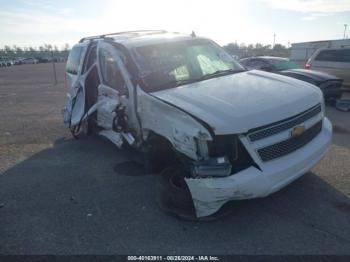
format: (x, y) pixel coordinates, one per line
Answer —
(173, 195)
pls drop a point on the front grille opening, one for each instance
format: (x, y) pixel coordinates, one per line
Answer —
(275, 128)
(232, 147)
(290, 145)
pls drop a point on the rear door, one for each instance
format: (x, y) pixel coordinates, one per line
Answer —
(75, 107)
(335, 62)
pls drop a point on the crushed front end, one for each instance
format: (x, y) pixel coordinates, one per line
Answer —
(260, 162)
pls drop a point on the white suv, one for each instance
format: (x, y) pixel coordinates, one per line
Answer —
(184, 101)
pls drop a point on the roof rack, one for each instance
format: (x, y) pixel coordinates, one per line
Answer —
(136, 33)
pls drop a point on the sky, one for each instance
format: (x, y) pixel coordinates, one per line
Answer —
(37, 22)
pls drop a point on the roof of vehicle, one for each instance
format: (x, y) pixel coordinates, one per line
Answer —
(141, 38)
(333, 48)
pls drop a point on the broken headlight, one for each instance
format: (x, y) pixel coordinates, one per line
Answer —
(231, 147)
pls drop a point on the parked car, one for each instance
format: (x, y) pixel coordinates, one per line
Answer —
(29, 61)
(17, 62)
(335, 61)
(43, 59)
(329, 84)
(5, 63)
(184, 102)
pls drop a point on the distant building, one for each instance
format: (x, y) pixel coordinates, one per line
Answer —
(301, 52)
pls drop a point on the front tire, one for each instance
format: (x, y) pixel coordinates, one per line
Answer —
(173, 195)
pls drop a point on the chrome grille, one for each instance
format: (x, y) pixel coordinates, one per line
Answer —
(278, 127)
(291, 144)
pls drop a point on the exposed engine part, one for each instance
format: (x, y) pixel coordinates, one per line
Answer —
(213, 167)
(231, 147)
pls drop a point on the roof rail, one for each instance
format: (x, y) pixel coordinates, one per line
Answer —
(138, 32)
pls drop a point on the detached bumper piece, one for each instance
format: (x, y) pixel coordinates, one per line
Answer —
(343, 105)
(213, 167)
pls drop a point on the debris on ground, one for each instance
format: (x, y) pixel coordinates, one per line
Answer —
(343, 105)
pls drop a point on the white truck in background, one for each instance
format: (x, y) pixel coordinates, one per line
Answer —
(301, 52)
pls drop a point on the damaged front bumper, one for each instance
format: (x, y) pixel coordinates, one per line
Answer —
(209, 194)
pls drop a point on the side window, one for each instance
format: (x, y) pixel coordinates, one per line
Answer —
(74, 60)
(330, 56)
(111, 74)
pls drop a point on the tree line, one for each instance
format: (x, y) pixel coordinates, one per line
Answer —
(42, 52)
(48, 50)
(242, 50)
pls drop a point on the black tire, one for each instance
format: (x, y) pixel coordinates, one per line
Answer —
(173, 195)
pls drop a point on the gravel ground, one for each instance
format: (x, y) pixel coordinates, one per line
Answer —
(59, 195)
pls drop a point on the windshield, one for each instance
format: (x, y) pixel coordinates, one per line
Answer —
(284, 64)
(172, 64)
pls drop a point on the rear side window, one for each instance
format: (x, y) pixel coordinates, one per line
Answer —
(341, 55)
(74, 60)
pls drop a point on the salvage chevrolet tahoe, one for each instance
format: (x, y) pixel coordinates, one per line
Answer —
(182, 100)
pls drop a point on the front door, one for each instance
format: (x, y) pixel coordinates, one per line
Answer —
(114, 75)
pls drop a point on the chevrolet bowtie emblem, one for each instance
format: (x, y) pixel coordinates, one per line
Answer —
(298, 130)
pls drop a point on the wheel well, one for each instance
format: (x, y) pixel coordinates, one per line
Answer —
(164, 154)
(159, 142)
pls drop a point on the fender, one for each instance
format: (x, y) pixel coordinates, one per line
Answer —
(183, 131)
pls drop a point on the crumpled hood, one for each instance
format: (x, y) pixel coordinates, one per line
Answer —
(236, 103)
